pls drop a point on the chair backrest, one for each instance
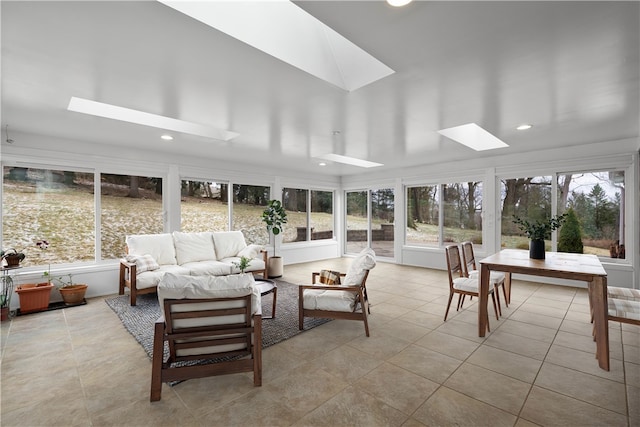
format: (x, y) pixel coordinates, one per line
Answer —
(454, 266)
(468, 258)
(217, 327)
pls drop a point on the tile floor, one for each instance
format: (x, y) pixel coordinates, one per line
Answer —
(80, 367)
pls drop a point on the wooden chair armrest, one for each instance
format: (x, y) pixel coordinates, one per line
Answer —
(354, 288)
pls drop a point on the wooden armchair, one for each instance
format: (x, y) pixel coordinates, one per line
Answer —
(207, 336)
(347, 300)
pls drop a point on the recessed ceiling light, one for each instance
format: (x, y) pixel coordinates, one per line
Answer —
(115, 112)
(322, 164)
(349, 160)
(524, 126)
(473, 136)
(167, 137)
(398, 3)
(287, 32)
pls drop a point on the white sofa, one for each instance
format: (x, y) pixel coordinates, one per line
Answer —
(150, 256)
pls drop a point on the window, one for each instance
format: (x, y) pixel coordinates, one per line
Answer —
(129, 205)
(423, 213)
(382, 230)
(528, 198)
(204, 206)
(53, 205)
(321, 218)
(294, 202)
(309, 214)
(357, 221)
(249, 202)
(597, 198)
(462, 205)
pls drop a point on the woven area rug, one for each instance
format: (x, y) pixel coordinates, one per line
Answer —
(139, 320)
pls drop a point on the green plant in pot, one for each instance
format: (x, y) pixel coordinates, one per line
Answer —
(274, 216)
(72, 293)
(243, 264)
(538, 231)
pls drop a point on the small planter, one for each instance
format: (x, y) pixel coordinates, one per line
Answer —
(536, 249)
(34, 297)
(74, 294)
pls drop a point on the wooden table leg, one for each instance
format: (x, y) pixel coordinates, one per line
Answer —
(507, 285)
(483, 300)
(598, 297)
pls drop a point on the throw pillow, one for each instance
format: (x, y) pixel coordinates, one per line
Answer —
(251, 251)
(329, 277)
(143, 262)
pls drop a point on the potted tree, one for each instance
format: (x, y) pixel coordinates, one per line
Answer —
(537, 231)
(274, 216)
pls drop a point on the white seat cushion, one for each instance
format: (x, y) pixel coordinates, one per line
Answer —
(495, 277)
(159, 246)
(331, 300)
(191, 247)
(150, 279)
(623, 293)
(208, 268)
(179, 286)
(228, 243)
(465, 284)
(256, 264)
(628, 309)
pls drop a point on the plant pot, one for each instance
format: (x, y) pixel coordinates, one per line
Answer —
(13, 260)
(275, 267)
(4, 314)
(34, 297)
(74, 294)
(536, 249)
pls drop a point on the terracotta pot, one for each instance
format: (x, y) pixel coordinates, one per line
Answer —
(74, 294)
(34, 297)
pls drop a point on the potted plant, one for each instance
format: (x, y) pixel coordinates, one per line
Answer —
(537, 231)
(274, 216)
(243, 264)
(12, 257)
(6, 283)
(72, 294)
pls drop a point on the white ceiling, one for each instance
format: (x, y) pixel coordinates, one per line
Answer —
(569, 68)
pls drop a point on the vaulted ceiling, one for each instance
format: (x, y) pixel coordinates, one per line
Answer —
(571, 69)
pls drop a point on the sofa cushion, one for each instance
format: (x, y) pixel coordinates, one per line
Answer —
(256, 264)
(208, 268)
(333, 300)
(228, 243)
(143, 262)
(179, 286)
(366, 260)
(159, 246)
(149, 279)
(191, 247)
(251, 251)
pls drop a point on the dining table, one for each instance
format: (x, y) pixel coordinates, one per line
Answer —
(582, 267)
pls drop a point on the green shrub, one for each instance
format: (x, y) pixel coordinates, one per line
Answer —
(570, 238)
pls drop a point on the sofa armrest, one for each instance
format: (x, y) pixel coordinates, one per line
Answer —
(128, 272)
(265, 255)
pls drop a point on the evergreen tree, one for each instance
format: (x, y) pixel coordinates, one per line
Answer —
(570, 237)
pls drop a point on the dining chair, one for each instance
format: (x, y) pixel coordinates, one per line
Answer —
(496, 278)
(462, 285)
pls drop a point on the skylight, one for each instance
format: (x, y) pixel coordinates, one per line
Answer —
(473, 136)
(349, 160)
(290, 34)
(115, 112)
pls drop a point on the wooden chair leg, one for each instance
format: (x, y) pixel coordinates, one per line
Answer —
(497, 294)
(448, 305)
(156, 363)
(460, 302)
(495, 307)
(504, 292)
